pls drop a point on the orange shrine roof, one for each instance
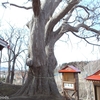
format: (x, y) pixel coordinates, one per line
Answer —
(94, 77)
(69, 69)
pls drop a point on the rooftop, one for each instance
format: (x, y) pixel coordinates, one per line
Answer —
(3, 44)
(94, 77)
(70, 69)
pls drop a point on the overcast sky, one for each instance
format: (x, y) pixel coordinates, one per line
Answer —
(69, 51)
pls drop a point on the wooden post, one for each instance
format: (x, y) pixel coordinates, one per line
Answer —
(77, 86)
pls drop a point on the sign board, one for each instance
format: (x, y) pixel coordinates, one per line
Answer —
(68, 86)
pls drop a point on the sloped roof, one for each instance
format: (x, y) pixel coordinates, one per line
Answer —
(94, 77)
(3, 44)
(69, 68)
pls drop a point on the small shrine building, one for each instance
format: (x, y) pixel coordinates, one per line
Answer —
(95, 78)
(70, 81)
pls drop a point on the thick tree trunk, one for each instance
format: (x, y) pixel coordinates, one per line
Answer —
(40, 84)
(42, 62)
(40, 81)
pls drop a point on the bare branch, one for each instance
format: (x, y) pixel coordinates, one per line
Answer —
(85, 8)
(15, 56)
(11, 4)
(63, 13)
(84, 38)
(36, 5)
(52, 5)
(55, 19)
(87, 28)
(67, 27)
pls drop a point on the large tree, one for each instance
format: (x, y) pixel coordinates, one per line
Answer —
(75, 18)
